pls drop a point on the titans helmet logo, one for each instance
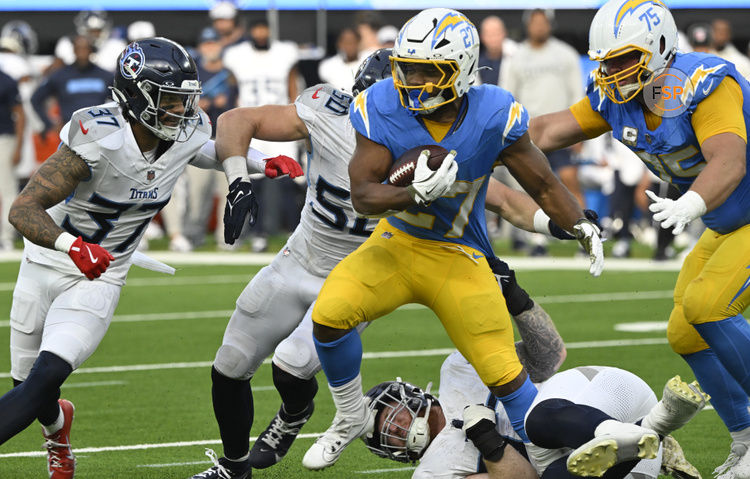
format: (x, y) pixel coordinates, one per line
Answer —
(132, 61)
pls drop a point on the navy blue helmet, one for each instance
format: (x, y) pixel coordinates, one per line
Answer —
(373, 69)
(151, 70)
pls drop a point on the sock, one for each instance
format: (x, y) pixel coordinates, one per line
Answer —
(21, 404)
(730, 340)
(516, 405)
(233, 409)
(50, 429)
(341, 358)
(296, 393)
(727, 396)
(49, 411)
(557, 423)
(348, 397)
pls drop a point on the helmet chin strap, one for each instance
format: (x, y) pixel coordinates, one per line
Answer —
(418, 437)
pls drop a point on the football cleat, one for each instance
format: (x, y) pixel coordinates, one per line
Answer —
(328, 447)
(679, 404)
(61, 462)
(273, 443)
(223, 468)
(737, 465)
(619, 443)
(673, 461)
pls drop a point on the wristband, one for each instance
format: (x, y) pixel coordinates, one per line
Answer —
(488, 441)
(235, 167)
(64, 242)
(541, 222)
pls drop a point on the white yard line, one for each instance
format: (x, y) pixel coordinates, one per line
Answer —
(553, 299)
(367, 355)
(389, 469)
(93, 384)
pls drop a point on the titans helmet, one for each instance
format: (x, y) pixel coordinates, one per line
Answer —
(150, 70)
(389, 438)
(19, 37)
(373, 69)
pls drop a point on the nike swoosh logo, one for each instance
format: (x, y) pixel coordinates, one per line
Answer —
(315, 95)
(83, 130)
(476, 256)
(708, 88)
(91, 256)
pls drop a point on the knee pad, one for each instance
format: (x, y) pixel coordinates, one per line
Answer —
(233, 363)
(297, 357)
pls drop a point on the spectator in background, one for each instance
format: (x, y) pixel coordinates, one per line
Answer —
(266, 72)
(18, 43)
(339, 69)
(96, 26)
(368, 24)
(721, 36)
(74, 86)
(219, 95)
(496, 47)
(387, 36)
(699, 37)
(140, 30)
(224, 20)
(544, 75)
(11, 141)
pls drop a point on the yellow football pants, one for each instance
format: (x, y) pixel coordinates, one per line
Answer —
(393, 268)
(712, 285)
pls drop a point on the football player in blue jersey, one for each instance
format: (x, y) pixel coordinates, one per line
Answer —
(433, 248)
(686, 116)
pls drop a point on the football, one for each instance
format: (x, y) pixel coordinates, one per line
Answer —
(402, 171)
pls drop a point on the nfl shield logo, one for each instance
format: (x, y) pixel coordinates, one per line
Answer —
(150, 175)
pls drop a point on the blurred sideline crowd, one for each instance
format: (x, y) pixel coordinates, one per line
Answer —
(241, 65)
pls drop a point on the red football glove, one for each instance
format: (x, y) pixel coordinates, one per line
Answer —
(90, 258)
(283, 165)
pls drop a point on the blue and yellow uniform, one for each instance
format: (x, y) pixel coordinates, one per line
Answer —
(434, 255)
(713, 283)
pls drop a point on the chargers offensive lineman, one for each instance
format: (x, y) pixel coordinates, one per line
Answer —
(86, 207)
(281, 294)
(573, 409)
(433, 252)
(697, 142)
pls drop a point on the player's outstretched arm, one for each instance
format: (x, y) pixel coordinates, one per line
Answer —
(54, 181)
(367, 171)
(530, 167)
(555, 131)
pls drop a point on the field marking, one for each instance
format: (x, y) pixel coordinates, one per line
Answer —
(520, 263)
(367, 355)
(555, 299)
(642, 326)
(175, 464)
(92, 384)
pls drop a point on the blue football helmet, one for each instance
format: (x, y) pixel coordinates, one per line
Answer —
(374, 68)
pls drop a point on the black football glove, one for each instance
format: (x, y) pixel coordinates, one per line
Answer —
(241, 203)
(560, 233)
(516, 298)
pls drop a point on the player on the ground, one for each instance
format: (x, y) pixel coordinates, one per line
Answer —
(570, 417)
(81, 216)
(279, 296)
(433, 252)
(696, 139)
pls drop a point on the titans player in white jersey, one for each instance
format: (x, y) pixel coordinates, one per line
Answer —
(86, 208)
(281, 294)
(411, 424)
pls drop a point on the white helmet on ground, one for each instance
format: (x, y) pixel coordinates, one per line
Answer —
(631, 27)
(440, 43)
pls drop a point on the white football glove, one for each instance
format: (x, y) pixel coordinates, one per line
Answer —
(428, 184)
(588, 234)
(474, 413)
(678, 212)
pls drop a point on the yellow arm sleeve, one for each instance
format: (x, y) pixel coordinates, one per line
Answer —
(720, 112)
(590, 121)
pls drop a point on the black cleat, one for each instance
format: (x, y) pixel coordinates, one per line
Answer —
(273, 443)
(223, 468)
